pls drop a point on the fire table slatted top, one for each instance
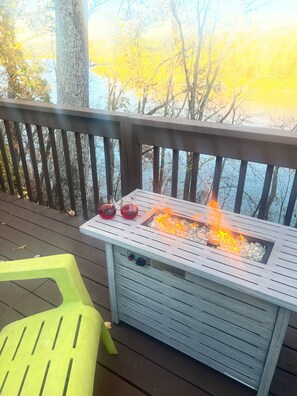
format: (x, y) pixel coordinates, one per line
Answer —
(275, 281)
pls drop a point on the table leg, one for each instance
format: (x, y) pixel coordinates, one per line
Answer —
(112, 283)
(276, 342)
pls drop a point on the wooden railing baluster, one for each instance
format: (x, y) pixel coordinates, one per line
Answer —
(94, 170)
(108, 166)
(292, 201)
(34, 163)
(56, 167)
(175, 158)
(13, 157)
(44, 166)
(6, 164)
(217, 178)
(240, 186)
(81, 175)
(156, 170)
(265, 192)
(2, 181)
(68, 170)
(23, 159)
(194, 175)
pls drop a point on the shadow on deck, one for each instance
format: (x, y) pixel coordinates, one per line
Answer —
(144, 366)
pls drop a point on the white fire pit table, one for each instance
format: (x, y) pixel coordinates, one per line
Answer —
(226, 311)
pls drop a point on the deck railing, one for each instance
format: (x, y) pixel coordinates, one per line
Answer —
(44, 148)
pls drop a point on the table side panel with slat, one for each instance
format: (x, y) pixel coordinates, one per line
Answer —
(225, 329)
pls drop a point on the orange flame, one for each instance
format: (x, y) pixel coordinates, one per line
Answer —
(167, 222)
(220, 234)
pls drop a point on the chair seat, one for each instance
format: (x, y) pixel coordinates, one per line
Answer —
(52, 353)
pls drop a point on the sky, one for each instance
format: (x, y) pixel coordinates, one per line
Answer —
(277, 13)
(272, 14)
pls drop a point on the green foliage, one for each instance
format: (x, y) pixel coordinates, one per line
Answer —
(19, 78)
(2, 166)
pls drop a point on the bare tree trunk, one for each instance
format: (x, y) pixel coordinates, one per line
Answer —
(72, 71)
(72, 52)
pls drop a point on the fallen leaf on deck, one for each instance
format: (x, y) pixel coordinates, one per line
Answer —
(20, 247)
(71, 212)
(107, 325)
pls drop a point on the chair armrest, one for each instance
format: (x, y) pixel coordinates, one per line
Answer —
(62, 268)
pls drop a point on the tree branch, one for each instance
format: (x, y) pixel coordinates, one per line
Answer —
(94, 5)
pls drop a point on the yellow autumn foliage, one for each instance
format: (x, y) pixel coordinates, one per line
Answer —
(262, 63)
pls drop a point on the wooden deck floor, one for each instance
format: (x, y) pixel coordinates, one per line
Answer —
(143, 366)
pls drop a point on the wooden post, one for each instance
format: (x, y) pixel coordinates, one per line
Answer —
(130, 159)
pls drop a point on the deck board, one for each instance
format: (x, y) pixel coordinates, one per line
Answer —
(144, 366)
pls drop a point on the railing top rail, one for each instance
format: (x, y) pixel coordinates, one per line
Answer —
(8, 105)
(77, 119)
(217, 129)
(44, 111)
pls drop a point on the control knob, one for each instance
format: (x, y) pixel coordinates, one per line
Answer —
(140, 261)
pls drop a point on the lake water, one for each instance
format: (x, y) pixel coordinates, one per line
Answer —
(97, 86)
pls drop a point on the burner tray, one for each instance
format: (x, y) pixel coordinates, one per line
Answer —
(248, 246)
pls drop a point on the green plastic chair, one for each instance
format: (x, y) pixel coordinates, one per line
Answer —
(52, 353)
